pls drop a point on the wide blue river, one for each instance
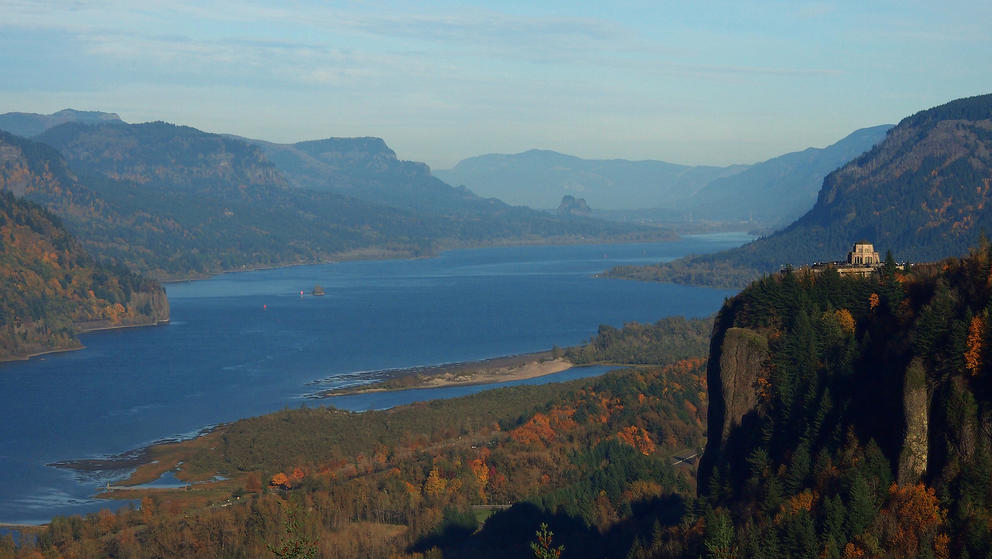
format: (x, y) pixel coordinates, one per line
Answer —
(247, 343)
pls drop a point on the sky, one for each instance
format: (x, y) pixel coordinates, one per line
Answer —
(706, 82)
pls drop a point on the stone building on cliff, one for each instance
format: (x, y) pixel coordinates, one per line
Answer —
(862, 261)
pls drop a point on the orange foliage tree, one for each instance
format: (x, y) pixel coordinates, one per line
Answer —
(917, 518)
(637, 438)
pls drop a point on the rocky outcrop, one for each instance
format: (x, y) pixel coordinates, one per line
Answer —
(570, 205)
(916, 406)
(740, 367)
(736, 365)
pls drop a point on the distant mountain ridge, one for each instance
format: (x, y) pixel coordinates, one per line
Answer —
(367, 169)
(159, 153)
(539, 179)
(768, 194)
(175, 202)
(924, 193)
(32, 124)
(778, 191)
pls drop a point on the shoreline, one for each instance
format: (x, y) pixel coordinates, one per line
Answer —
(494, 370)
(444, 245)
(28, 356)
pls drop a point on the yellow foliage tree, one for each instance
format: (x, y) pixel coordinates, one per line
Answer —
(435, 485)
(973, 356)
(481, 472)
(845, 320)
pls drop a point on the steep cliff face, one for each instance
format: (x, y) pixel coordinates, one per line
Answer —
(738, 359)
(737, 373)
(916, 406)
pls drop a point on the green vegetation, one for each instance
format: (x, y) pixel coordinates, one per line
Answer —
(50, 289)
(667, 341)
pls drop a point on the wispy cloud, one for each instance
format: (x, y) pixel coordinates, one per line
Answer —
(639, 69)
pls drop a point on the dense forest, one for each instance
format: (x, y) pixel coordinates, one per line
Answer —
(667, 341)
(923, 193)
(51, 289)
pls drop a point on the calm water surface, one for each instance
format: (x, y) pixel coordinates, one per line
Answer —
(245, 344)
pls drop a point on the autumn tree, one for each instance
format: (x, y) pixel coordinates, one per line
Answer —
(973, 356)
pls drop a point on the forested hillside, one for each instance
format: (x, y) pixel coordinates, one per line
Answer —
(173, 201)
(50, 289)
(197, 226)
(849, 417)
(923, 193)
(365, 168)
(776, 192)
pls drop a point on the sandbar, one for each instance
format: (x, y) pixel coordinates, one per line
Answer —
(488, 371)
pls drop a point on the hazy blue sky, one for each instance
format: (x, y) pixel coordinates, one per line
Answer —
(687, 82)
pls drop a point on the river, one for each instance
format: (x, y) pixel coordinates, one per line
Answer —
(244, 344)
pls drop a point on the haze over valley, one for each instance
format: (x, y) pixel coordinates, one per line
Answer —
(560, 280)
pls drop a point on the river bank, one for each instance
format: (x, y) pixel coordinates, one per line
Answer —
(77, 345)
(150, 462)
